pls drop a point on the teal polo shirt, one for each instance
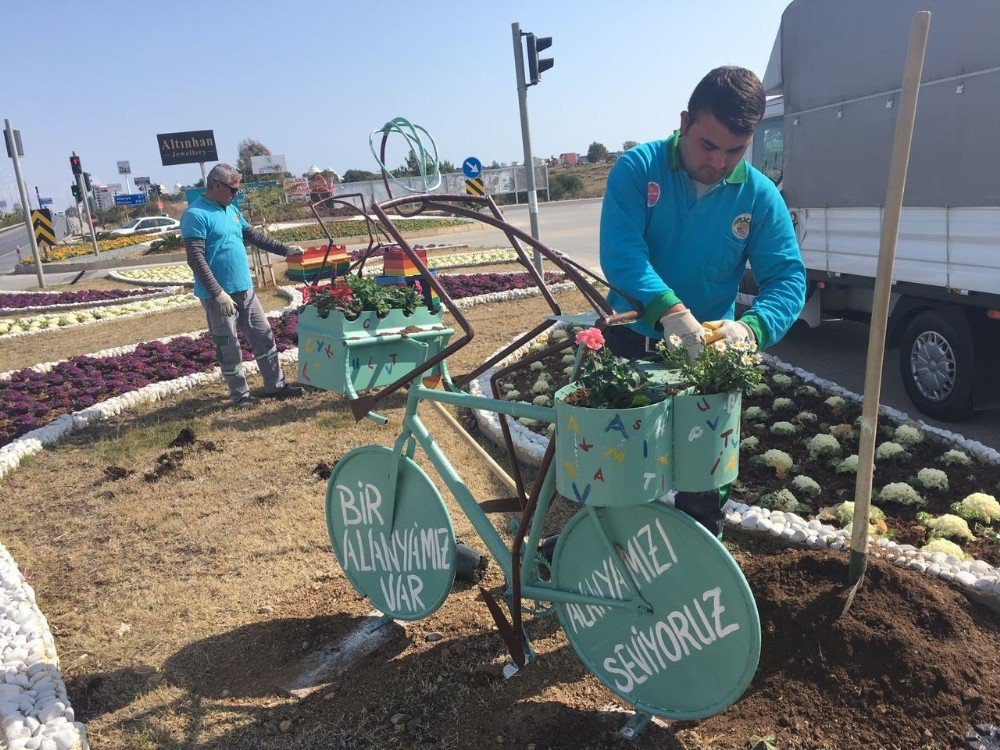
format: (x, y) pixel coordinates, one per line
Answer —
(222, 230)
(661, 245)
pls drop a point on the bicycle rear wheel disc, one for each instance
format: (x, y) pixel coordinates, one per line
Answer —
(405, 563)
(697, 651)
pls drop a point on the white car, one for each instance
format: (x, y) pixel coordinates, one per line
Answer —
(148, 224)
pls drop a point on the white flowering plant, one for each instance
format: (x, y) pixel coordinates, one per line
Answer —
(783, 404)
(945, 547)
(836, 403)
(955, 458)
(890, 451)
(845, 513)
(932, 480)
(783, 500)
(823, 446)
(978, 507)
(749, 444)
(719, 368)
(754, 413)
(900, 493)
(849, 465)
(908, 435)
(806, 485)
(948, 526)
(778, 460)
(781, 380)
(783, 428)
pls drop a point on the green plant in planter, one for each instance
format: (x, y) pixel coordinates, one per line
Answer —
(606, 381)
(720, 368)
(359, 294)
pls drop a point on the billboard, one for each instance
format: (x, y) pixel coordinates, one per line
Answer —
(268, 164)
(188, 147)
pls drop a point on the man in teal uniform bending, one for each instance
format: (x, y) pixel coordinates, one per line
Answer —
(681, 218)
(214, 233)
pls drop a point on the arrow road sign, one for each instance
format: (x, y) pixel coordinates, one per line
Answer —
(41, 222)
(472, 167)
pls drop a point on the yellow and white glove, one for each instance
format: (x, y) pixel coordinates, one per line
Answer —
(226, 305)
(684, 326)
(730, 331)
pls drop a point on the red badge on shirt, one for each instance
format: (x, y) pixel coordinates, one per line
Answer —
(652, 194)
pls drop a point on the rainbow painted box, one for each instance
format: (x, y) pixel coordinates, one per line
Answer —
(347, 356)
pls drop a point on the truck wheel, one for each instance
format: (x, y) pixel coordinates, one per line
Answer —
(936, 363)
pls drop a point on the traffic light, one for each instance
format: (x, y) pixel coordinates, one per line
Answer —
(76, 192)
(536, 66)
(86, 181)
(74, 164)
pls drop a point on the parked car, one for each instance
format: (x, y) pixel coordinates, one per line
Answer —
(150, 224)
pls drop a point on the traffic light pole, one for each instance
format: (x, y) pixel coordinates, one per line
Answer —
(25, 206)
(86, 207)
(529, 162)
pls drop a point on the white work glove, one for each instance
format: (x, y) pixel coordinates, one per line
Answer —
(730, 331)
(685, 327)
(293, 251)
(226, 305)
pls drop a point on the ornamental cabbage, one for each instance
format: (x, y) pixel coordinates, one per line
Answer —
(908, 435)
(836, 403)
(823, 446)
(842, 431)
(541, 386)
(933, 479)
(845, 513)
(849, 465)
(806, 485)
(946, 547)
(537, 366)
(890, 451)
(900, 493)
(806, 417)
(783, 428)
(782, 500)
(783, 404)
(761, 389)
(978, 507)
(754, 413)
(778, 460)
(541, 401)
(749, 444)
(781, 380)
(955, 458)
(806, 390)
(948, 525)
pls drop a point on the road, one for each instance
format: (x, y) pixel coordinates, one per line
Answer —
(9, 242)
(835, 351)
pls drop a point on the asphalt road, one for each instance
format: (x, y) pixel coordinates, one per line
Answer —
(10, 240)
(835, 351)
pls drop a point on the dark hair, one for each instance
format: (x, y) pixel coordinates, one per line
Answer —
(735, 96)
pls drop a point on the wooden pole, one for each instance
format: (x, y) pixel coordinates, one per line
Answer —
(883, 286)
(492, 465)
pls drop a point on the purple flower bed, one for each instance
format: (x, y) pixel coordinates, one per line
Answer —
(463, 285)
(19, 300)
(29, 399)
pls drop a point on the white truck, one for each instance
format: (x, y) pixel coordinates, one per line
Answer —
(835, 75)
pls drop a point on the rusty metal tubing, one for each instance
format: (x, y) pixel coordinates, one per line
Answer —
(526, 515)
(329, 238)
(504, 424)
(361, 406)
(494, 358)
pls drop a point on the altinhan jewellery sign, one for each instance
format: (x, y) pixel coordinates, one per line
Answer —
(189, 147)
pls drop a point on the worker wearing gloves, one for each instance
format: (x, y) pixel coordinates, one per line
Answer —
(680, 219)
(214, 233)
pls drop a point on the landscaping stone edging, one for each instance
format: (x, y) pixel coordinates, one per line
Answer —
(979, 579)
(99, 264)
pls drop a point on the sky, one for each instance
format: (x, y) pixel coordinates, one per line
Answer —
(312, 79)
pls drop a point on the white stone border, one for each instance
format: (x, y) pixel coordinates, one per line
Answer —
(137, 314)
(980, 579)
(10, 311)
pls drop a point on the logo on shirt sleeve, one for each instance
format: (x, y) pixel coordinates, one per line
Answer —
(652, 194)
(741, 226)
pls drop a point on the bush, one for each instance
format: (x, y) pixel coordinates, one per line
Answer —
(564, 186)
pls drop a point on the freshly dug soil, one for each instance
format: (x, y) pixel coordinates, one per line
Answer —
(912, 665)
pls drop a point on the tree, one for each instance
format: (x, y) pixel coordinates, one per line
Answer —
(446, 166)
(564, 186)
(249, 147)
(597, 152)
(360, 175)
(330, 176)
(629, 144)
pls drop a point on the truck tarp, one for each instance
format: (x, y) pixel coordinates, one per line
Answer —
(842, 62)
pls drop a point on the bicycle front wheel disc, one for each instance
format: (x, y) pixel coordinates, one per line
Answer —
(696, 652)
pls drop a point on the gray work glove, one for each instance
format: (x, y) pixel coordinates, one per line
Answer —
(226, 305)
(686, 328)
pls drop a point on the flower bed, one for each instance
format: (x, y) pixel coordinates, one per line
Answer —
(163, 275)
(24, 302)
(796, 474)
(358, 228)
(28, 326)
(64, 252)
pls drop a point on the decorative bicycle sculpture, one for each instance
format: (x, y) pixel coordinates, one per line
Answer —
(652, 603)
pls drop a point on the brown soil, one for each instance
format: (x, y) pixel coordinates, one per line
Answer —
(222, 572)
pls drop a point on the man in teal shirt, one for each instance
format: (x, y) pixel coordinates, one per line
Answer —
(214, 233)
(681, 218)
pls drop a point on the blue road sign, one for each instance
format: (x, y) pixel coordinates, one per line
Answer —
(3, 204)
(44, 202)
(472, 167)
(130, 199)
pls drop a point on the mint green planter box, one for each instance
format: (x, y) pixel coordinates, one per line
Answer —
(706, 441)
(347, 356)
(612, 457)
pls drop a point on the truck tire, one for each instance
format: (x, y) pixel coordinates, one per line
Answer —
(936, 359)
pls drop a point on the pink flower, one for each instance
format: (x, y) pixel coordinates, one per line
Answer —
(592, 338)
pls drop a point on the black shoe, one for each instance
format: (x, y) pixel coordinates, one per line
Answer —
(245, 402)
(286, 391)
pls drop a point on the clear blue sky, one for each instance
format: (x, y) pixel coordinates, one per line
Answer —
(311, 79)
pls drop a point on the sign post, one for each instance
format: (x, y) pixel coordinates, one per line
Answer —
(14, 150)
(472, 168)
(124, 168)
(45, 233)
(529, 165)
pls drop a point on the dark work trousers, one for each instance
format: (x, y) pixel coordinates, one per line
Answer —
(251, 321)
(704, 507)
